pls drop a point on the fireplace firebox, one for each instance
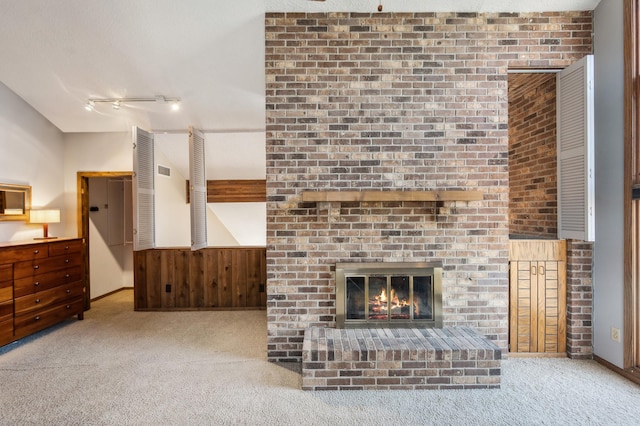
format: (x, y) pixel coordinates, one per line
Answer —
(389, 295)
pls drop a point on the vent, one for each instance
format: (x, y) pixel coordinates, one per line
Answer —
(164, 171)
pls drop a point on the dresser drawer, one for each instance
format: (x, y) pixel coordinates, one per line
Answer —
(6, 291)
(43, 299)
(30, 323)
(20, 253)
(42, 266)
(6, 311)
(6, 273)
(6, 332)
(61, 248)
(30, 285)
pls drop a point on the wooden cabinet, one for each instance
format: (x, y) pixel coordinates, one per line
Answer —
(41, 284)
(6, 304)
(538, 296)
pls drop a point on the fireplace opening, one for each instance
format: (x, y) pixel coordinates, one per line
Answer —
(388, 295)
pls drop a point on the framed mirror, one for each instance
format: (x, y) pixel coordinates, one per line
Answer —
(15, 202)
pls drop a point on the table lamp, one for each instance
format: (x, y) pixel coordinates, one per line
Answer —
(45, 217)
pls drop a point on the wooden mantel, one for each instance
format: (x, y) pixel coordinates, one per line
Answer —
(364, 196)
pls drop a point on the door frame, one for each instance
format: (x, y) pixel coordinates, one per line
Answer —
(82, 185)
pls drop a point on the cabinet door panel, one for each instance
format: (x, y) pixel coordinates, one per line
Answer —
(538, 297)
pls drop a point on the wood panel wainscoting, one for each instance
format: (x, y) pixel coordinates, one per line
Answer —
(211, 278)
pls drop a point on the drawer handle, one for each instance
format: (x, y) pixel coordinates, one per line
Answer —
(37, 318)
(66, 276)
(68, 291)
(37, 300)
(36, 267)
(36, 251)
(66, 247)
(37, 283)
(68, 306)
(66, 261)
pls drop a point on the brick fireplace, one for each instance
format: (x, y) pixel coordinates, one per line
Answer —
(395, 102)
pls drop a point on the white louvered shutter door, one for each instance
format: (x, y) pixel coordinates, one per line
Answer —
(197, 189)
(144, 231)
(576, 189)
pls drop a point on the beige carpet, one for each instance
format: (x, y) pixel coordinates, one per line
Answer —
(119, 367)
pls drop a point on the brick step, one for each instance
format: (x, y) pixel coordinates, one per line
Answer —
(406, 358)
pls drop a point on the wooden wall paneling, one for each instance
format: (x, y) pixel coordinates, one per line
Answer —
(207, 278)
(239, 278)
(182, 286)
(139, 282)
(234, 191)
(225, 277)
(153, 279)
(210, 282)
(196, 279)
(168, 277)
(562, 303)
(253, 277)
(263, 277)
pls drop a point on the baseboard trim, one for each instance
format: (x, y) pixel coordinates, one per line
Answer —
(111, 292)
(632, 374)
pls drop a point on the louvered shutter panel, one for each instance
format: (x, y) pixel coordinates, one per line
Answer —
(198, 189)
(576, 189)
(144, 231)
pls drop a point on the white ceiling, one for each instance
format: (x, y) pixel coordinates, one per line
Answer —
(209, 53)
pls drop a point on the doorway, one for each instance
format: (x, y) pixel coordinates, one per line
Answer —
(104, 208)
(537, 319)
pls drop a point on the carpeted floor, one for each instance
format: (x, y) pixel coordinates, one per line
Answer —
(119, 367)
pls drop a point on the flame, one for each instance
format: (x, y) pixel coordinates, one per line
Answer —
(379, 302)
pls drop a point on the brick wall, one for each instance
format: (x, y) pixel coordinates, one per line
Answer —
(579, 299)
(532, 155)
(395, 101)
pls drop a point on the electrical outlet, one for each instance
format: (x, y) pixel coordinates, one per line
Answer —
(615, 334)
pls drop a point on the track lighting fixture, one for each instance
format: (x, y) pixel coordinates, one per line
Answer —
(117, 103)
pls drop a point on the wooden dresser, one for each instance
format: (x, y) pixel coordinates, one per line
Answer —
(41, 284)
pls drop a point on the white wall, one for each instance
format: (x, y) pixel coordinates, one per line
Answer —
(31, 153)
(92, 152)
(609, 157)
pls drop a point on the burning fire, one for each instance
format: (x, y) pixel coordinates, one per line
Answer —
(380, 304)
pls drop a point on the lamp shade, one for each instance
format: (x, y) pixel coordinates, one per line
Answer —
(44, 216)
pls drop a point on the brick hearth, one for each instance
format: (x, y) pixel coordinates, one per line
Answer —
(379, 358)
